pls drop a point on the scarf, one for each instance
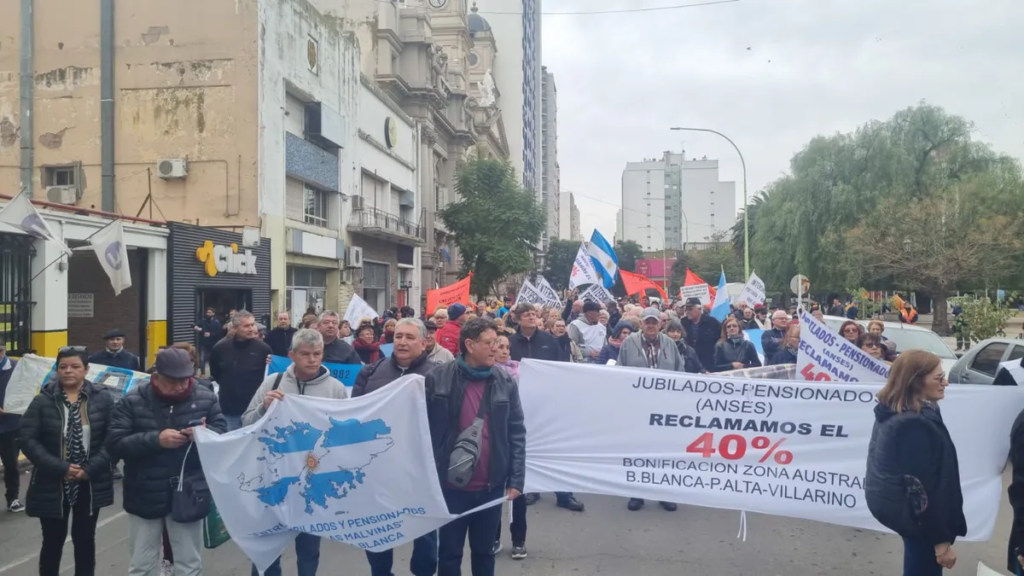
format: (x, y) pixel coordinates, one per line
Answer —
(370, 353)
(510, 366)
(74, 446)
(177, 397)
(470, 372)
(651, 350)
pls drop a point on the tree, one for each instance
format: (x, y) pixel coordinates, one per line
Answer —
(558, 263)
(628, 252)
(710, 262)
(496, 223)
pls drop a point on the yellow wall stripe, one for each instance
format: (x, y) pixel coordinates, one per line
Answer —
(156, 336)
(47, 344)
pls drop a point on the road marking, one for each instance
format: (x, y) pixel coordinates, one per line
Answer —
(30, 557)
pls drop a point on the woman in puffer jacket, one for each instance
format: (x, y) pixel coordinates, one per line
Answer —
(912, 485)
(733, 352)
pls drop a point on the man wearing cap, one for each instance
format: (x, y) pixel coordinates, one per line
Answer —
(151, 431)
(435, 353)
(651, 348)
(115, 355)
(448, 335)
(587, 331)
(702, 331)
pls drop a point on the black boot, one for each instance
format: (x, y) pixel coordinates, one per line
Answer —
(635, 504)
(570, 502)
(670, 506)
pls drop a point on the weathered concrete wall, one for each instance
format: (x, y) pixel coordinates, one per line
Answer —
(185, 86)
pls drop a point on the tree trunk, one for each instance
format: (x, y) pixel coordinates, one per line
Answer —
(940, 318)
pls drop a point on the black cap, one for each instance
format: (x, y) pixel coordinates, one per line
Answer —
(591, 306)
(115, 333)
(692, 302)
(430, 324)
(174, 363)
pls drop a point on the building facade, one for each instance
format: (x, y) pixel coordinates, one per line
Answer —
(670, 202)
(574, 220)
(551, 182)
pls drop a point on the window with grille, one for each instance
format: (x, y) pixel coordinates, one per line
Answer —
(315, 208)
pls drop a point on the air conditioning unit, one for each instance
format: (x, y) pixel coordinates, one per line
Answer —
(357, 203)
(62, 195)
(354, 257)
(172, 168)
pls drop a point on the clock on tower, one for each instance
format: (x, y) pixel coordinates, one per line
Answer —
(438, 3)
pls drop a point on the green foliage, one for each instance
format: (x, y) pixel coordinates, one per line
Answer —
(496, 223)
(983, 319)
(628, 252)
(558, 263)
(709, 263)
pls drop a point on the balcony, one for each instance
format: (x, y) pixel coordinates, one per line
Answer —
(385, 226)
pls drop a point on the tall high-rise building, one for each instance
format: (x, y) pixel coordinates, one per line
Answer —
(670, 201)
(574, 220)
(550, 184)
(517, 71)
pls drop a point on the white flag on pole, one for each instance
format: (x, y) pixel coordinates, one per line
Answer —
(357, 309)
(21, 214)
(109, 246)
(583, 271)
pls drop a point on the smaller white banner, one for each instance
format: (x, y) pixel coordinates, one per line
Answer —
(547, 291)
(529, 293)
(753, 292)
(583, 271)
(700, 291)
(33, 372)
(597, 293)
(826, 356)
(357, 309)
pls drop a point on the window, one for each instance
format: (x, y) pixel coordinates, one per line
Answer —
(1016, 354)
(60, 176)
(309, 281)
(987, 360)
(315, 207)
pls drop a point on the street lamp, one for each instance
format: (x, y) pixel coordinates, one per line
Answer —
(746, 221)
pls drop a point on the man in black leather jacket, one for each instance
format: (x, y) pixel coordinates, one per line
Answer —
(152, 432)
(455, 392)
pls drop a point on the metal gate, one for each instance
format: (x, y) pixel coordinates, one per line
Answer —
(16, 252)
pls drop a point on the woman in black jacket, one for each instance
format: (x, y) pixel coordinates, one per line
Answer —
(62, 434)
(674, 330)
(912, 485)
(733, 352)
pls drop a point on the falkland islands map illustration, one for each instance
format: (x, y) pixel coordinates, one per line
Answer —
(321, 464)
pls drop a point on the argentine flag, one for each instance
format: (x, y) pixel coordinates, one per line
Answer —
(605, 261)
(720, 307)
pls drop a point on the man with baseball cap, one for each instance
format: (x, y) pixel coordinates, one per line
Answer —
(151, 431)
(702, 331)
(114, 354)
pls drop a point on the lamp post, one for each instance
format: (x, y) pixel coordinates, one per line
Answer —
(746, 221)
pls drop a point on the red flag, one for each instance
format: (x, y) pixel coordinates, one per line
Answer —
(692, 280)
(444, 297)
(637, 283)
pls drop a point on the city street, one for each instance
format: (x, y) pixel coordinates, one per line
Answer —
(606, 539)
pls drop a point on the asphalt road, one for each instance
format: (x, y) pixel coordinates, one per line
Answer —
(606, 539)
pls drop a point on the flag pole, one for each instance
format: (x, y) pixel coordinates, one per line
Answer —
(58, 259)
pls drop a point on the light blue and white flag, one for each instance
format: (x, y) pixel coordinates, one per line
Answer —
(112, 252)
(605, 261)
(720, 308)
(358, 471)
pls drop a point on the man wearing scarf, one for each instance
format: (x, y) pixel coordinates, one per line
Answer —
(457, 394)
(115, 355)
(151, 432)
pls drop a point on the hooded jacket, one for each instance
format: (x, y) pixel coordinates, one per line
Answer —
(42, 441)
(385, 371)
(322, 386)
(912, 484)
(631, 353)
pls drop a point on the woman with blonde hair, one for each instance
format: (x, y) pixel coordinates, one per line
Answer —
(912, 485)
(733, 352)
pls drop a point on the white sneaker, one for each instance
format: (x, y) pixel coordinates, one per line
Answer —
(166, 568)
(16, 506)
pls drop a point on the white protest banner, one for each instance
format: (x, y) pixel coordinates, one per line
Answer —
(33, 372)
(696, 291)
(597, 293)
(547, 291)
(825, 356)
(529, 293)
(785, 448)
(583, 271)
(753, 292)
(358, 471)
(358, 309)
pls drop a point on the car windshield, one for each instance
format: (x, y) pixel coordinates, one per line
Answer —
(919, 340)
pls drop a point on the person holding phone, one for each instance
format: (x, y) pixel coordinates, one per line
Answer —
(152, 433)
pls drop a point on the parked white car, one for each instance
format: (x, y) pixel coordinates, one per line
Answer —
(980, 364)
(909, 337)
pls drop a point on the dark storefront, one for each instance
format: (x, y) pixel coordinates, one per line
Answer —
(209, 267)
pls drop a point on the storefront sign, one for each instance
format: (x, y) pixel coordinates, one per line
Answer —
(227, 259)
(80, 305)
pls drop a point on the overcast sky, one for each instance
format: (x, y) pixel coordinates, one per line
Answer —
(771, 74)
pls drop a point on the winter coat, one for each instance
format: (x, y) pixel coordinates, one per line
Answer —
(386, 371)
(735, 350)
(238, 366)
(1016, 492)
(912, 484)
(784, 356)
(440, 355)
(631, 353)
(121, 359)
(339, 351)
(322, 386)
(448, 336)
(609, 352)
(702, 337)
(135, 438)
(506, 432)
(8, 422)
(540, 346)
(210, 326)
(771, 342)
(280, 340)
(691, 362)
(42, 440)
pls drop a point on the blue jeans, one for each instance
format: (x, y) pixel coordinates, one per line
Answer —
(307, 557)
(422, 563)
(919, 559)
(480, 527)
(234, 422)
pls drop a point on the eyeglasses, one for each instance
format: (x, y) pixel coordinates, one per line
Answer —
(75, 349)
(870, 345)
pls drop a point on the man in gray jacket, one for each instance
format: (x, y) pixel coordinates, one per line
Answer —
(649, 348)
(408, 357)
(305, 377)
